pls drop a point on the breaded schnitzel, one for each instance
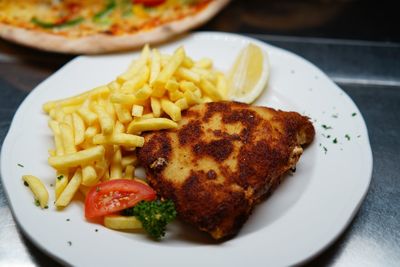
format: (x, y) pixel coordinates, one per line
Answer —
(222, 160)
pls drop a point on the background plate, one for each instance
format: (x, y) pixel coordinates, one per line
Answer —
(305, 214)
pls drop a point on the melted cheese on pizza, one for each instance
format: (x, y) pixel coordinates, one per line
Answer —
(74, 19)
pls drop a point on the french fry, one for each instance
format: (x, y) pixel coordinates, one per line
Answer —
(88, 116)
(171, 109)
(151, 124)
(222, 85)
(129, 172)
(67, 136)
(61, 182)
(119, 127)
(114, 86)
(76, 100)
(143, 93)
(129, 160)
(59, 115)
(173, 96)
(66, 196)
(68, 120)
(89, 175)
(155, 106)
(210, 90)
(204, 63)
(118, 222)
(136, 65)
(188, 62)
(169, 70)
(105, 120)
(185, 86)
(123, 114)
(182, 103)
(187, 74)
(38, 189)
(54, 126)
(91, 131)
(155, 65)
(116, 168)
(191, 98)
(122, 98)
(83, 157)
(122, 139)
(137, 81)
(137, 110)
(79, 129)
(172, 85)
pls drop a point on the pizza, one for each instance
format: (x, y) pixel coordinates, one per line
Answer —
(96, 26)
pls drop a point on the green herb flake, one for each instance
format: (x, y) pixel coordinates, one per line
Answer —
(328, 136)
(25, 183)
(37, 203)
(67, 220)
(96, 230)
(46, 207)
(353, 114)
(60, 177)
(335, 141)
(326, 127)
(325, 149)
(335, 116)
(20, 165)
(347, 137)
(69, 243)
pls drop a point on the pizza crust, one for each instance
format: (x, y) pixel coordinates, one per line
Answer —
(102, 43)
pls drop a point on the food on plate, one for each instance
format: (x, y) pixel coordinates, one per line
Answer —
(115, 195)
(249, 75)
(96, 133)
(153, 215)
(222, 159)
(91, 26)
(38, 189)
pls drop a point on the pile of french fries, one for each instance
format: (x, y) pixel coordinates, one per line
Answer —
(96, 132)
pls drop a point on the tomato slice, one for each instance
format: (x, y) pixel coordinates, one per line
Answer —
(149, 2)
(115, 195)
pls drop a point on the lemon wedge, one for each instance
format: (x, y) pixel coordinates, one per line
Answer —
(248, 77)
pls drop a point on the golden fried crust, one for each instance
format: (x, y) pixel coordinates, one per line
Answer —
(223, 158)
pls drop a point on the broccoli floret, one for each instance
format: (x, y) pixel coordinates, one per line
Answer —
(154, 216)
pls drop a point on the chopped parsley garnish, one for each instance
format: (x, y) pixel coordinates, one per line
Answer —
(46, 207)
(37, 203)
(69, 243)
(67, 220)
(353, 114)
(20, 165)
(96, 230)
(60, 177)
(325, 149)
(347, 137)
(335, 116)
(328, 136)
(326, 127)
(335, 141)
(26, 184)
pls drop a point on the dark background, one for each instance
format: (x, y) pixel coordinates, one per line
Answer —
(343, 19)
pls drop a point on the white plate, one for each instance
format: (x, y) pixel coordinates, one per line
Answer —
(307, 212)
